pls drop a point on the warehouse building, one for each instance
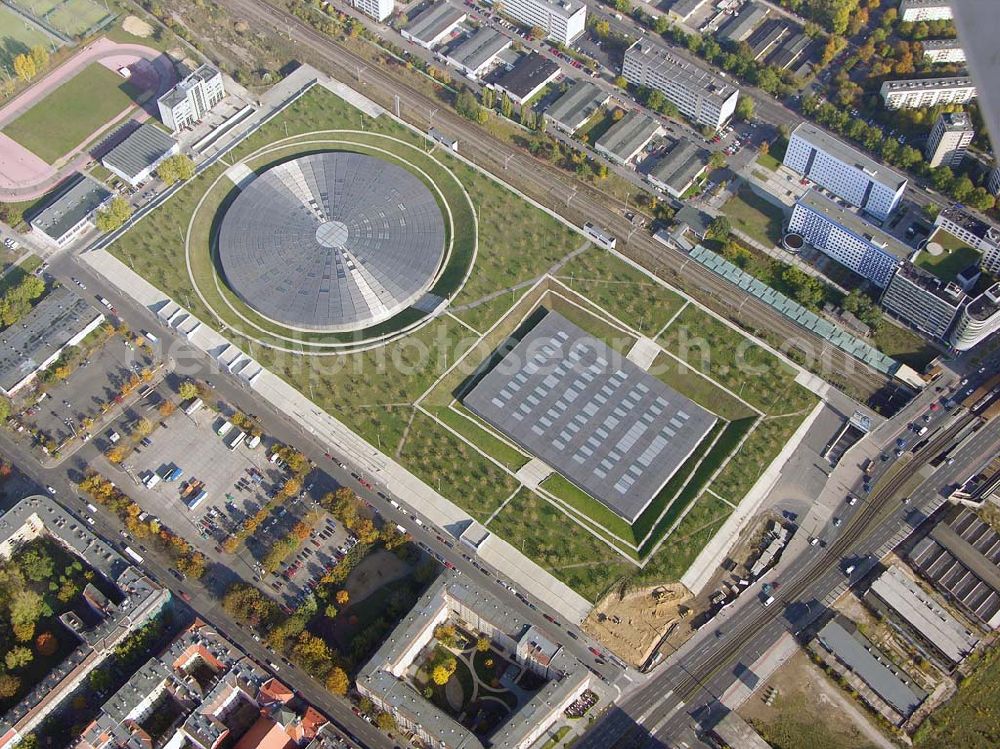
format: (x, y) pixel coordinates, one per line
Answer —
(136, 158)
(927, 92)
(699, 96)
(561, 20)
(923, 301)
(187, 103)
(979, 320)
(530, 74)
(740, 27)
(960, 556)
(580, 102)
(477, 54)
(682, 10)
(847, 238)
(432, 25)
(844, 171)
(627, 138)
(861, 657)
(71, 213)
(59, 320)
(679, 168)
(923, 615)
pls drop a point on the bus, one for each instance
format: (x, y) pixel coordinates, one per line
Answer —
(599, 236)
(131, 553)
(236, 440)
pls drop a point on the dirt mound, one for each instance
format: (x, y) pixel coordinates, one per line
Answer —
(633, 626)
(137, 27)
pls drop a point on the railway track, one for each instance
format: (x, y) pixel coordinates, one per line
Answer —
(881, 504)
(575, 201)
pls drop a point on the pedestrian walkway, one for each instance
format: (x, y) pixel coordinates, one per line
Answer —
(317, 423)
(533, 473)
(643, 353)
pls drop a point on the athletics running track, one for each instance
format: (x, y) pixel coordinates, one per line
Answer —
(23, 175)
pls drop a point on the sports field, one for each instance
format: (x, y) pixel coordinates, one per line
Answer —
(71, 17)
(401, 396)
(70, 115)
(16, 36)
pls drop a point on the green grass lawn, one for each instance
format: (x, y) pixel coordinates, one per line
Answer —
(636, 299)
(964, 721)
(755, 217)
(598, 124)
(766, 159)
(18, 36)
(949, 263)
(467, 424)
(686, 381)
(66, 117)
(904, 345)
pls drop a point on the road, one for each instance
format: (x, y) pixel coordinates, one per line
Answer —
(724, 652)
(575, 201)
(190, 362)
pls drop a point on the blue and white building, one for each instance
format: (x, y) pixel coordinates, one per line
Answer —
(844, 171)
(840, 233)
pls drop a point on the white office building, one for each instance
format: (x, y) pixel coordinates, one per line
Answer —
(949, 138)
(186, 103)
(943, 50)
(924, 10)
(850, 240)
(377, 9)
(701, 97)
(927, 92)
(979, 320)
(562, 20)
(844, 171)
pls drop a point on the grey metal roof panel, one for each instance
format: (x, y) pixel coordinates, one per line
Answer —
(628, 134)
(605, 424)
(143, 148)
(581, 100)
(332, 241)
(530, 72)
(434, 21)
(483, 45)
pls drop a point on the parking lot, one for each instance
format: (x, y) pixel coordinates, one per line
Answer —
(236, 483)
(96, 381)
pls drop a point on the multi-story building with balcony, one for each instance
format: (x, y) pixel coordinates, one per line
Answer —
(919, 93)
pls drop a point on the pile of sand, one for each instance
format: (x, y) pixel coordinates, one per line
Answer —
(137, 27)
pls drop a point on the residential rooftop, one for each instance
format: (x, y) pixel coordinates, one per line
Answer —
(948, 291)
(682, 72)
(970, 223)
(73, 205)
(140, 150)
(986, 305)
(823, 141)
(917, 84)
(848, 219)
(941, 44)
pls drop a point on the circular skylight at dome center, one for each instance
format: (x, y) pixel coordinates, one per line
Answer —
(332, 241)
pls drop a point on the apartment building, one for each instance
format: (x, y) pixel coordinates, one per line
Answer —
(187, 103)
(927, 92)
(847, 238)
(925, 10)
(943, 51)
(993, 183)
(979, 320)
(923, 301)
(377, 9)
(949, 138)
(974, 232)
(561, 20)
(700, 96)
(844, 171)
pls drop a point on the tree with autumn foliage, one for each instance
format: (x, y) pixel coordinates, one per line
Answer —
(337, 681)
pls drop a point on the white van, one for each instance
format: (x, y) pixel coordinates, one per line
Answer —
(769, 600)
(223, 430)
(150, 337)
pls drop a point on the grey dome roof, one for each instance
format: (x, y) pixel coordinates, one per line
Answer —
(332, 241)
